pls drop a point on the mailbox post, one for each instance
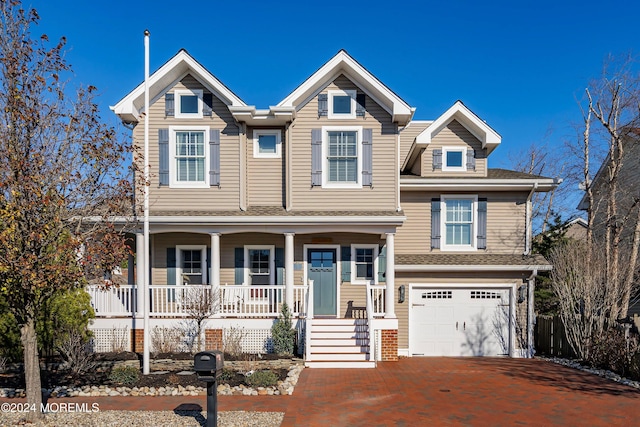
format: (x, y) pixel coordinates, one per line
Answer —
(208, 365)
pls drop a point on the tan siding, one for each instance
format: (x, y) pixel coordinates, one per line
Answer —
(383, 194)
(165, 198)
(408, 136)
(265, 175)
(505, 222)
(160, 243)
(453, 135)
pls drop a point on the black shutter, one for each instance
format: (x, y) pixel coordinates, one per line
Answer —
(367, 157)
(471, 160)
(345, 257)
(482, 223)
(207, 109)
(316, 157)
(163, 153)
(169, 105)
(437, 159)
(214, 157)
(239, 265)
(360, 107)
(435, 223)
(323, 102)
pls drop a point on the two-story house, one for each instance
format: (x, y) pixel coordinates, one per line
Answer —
(386, 236)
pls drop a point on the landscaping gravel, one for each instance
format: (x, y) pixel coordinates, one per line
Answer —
(600, 372)
(148, 418)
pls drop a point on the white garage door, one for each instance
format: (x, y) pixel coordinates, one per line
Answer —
(459, 322)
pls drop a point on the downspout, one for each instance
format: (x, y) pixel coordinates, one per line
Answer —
(530, 313)
(529, 225)
(398, 206)
(287, 191)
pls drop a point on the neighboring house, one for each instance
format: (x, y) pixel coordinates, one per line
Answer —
(410, 244)
(626, 199)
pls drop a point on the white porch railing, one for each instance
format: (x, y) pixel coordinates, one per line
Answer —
(182, 300)
(120, 301)
(307, 322)
(377, 294)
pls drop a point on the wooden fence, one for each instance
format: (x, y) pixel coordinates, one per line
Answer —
(551, 339)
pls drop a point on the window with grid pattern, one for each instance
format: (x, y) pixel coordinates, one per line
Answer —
(459, 221)
(343, 156)
(190, 156)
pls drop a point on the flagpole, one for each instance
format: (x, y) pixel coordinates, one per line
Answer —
(146, 334)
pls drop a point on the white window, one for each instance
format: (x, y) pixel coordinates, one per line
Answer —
(259, 265)
(192, 265)
(342, 104)
(454, 159)
(189, 151)
(364, 264)
(342, 148)
(266, 144)
(459, 217)
(188, 104)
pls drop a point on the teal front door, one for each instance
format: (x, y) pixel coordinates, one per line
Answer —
(322, 270)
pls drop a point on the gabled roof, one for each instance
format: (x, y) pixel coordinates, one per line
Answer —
(129, 107)
(343, 63)
(489, 138)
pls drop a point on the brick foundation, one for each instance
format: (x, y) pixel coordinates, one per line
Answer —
(137, 340)
(389, 345)
(213, 339)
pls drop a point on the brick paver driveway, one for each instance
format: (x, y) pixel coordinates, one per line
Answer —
(429, 392)
(461, 391)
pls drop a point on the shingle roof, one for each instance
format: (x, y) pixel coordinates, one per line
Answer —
(471, 259)
(279, 211)
(492, 173)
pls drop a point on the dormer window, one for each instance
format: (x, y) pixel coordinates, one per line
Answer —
(454, 159)
(189, 104)
(342, 104)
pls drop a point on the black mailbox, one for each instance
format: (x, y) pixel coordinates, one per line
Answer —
(208, 364)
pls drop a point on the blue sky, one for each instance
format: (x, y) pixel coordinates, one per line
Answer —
(519, 65)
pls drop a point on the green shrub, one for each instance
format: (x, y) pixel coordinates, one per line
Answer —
(262, 379)
(282, 333)
(125, 375)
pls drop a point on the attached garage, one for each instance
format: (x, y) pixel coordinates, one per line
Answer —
(460, 321)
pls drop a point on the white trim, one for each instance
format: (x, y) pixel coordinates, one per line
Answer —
(463, 184)
(305, 276)
(178, 93)
(325, 154)
(256, 144)
(173, 178)
(444, 247)
(333, 93)
(450, 149)
(203, 251)
(354, 279)
(272, 262)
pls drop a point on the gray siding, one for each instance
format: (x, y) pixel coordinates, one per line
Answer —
(265, 176)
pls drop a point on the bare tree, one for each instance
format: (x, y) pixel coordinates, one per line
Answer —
(200, 303)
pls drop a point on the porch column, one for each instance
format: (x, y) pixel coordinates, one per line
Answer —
(140, 271)
(288, 269)
(390, 296)
(215, 269)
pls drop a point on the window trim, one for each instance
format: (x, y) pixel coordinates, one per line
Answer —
(446, 167)
(256, 146)
(203, 250)
(443, 223)
(173, 168)
(178, 93)
(325, 157)
(350, 93)
(272, 262)
(359, 281)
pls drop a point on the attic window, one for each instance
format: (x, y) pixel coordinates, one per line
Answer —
(189, 104)
(454, 159)
(342, 104)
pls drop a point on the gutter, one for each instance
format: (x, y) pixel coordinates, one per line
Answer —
(483, 267)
